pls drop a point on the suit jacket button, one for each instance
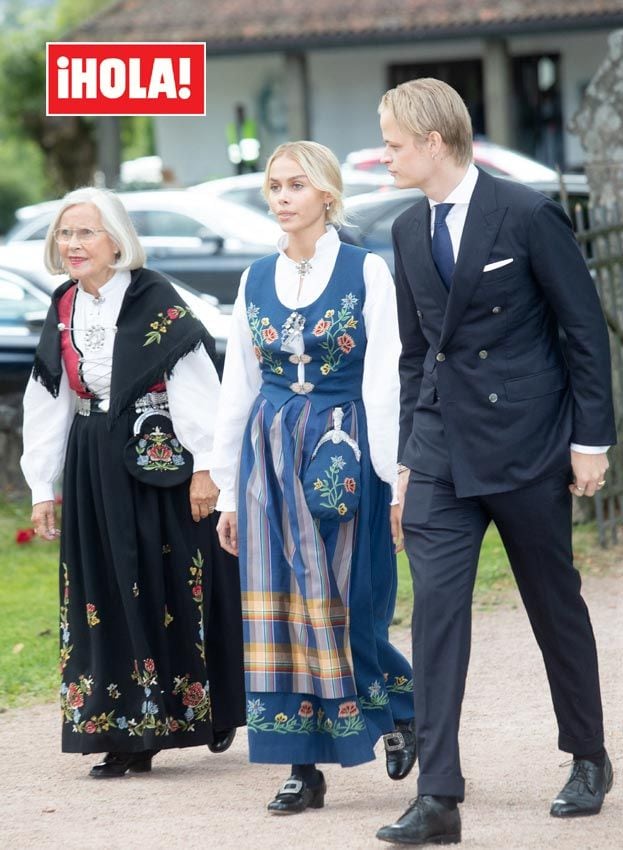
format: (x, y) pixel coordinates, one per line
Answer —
(496, 310)
(483, 354)
(440, 357)
(493, 398)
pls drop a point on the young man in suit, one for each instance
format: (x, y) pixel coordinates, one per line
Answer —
(497, 425)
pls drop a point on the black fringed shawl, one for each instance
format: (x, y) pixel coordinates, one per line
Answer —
(155, 329)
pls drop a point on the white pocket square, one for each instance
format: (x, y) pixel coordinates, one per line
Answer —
(497, 265)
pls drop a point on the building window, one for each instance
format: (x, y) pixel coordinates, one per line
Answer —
(464, 75)
(537, 107)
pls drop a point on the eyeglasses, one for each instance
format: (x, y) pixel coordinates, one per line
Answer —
(63, 235)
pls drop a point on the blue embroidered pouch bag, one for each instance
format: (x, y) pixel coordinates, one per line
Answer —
(332, 480)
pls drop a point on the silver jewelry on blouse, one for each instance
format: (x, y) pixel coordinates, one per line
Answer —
(303, 267)
(94, 335)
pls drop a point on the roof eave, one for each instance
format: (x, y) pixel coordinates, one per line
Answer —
(325, 41)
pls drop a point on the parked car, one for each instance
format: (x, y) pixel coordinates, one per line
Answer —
(371, 216)
(496, 159)
(246, 189)
(204, 241)
(25, 289)
(23, 307)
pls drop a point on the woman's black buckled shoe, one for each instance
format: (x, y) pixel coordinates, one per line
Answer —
(295, 796)
(222, 740)
(118, 764)
(400, 750)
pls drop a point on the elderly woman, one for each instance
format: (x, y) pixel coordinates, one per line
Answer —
(308, 423)
(121, 401)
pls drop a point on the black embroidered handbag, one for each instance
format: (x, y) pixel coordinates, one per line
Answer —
(153, 454)
(332, 480)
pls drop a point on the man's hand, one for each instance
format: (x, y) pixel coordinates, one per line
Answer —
(203, 495)
(44, 520)
(395, 516)
(589, 473)
(395, 519)
(227, 529)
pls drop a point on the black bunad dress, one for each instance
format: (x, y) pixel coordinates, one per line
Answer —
(150, 623)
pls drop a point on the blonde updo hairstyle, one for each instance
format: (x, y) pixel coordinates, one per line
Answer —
(321, 169)
(115, 221)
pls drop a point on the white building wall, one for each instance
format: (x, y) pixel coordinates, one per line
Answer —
(345, 87)
(196, 148)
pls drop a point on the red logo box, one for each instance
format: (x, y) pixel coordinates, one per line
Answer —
(125, 78)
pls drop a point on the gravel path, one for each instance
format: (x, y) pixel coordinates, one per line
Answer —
(196, 799)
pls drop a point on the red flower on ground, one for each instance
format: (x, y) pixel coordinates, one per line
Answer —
(24, 535)
(270, 334)
(75, 699)
(346, 343)
(306, 709)
(149, 665)
(321, 327)
(350, 485)
(172, 313)
(194, 694)
(90, 727)
(159, 453)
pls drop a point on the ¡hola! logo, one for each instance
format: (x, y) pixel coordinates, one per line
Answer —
(130, 78)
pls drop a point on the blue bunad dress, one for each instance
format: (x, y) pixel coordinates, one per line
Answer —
(323, 681)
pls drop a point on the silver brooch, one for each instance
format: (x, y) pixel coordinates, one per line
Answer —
(303, 267)
(94, 337)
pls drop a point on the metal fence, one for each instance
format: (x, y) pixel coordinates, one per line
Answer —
(600, 234)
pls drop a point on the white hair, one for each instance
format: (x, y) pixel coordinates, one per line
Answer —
(115, 220)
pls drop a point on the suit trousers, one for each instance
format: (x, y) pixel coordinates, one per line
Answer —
(443, 535)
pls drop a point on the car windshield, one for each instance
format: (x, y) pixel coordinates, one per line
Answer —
(18, 303)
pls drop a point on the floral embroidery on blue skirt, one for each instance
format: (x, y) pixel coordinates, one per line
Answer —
(306, 720)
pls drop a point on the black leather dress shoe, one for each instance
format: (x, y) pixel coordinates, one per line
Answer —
(426, 821)
(222, 740)
(118, 764)
(585, 790)
(295, 796)
(400, 750)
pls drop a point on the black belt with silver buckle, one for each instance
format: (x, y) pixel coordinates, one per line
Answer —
(87, 406)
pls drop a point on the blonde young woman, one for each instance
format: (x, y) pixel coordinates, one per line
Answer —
(314, 349)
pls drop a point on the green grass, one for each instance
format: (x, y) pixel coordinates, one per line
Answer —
(29, 601)
(494, 577)
(28, 612)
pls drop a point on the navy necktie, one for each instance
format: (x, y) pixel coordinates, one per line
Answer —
(441, 246)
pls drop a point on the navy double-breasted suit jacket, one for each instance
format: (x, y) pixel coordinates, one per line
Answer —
(488, 356)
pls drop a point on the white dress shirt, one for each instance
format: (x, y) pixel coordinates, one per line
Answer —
(460, 196)
(380, 388)
(193, 391)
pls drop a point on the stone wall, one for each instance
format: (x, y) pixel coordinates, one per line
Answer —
(11, 477)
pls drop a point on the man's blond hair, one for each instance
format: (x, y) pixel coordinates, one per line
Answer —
(423, 105)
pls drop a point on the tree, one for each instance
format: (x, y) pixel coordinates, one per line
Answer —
(68, 144)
